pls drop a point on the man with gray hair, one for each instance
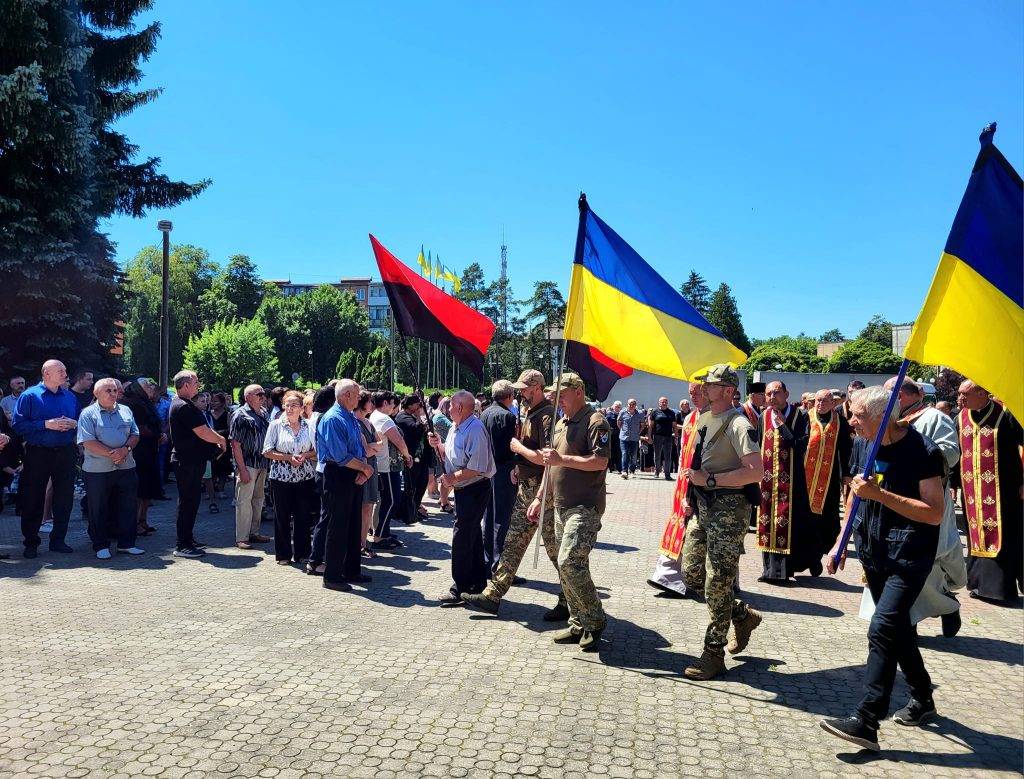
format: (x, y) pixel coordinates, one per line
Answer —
(248, 429)
(896, 540)
(108, 434)
(468, 468)
(501, 426)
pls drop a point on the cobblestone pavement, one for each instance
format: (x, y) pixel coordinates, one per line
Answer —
(232, 665)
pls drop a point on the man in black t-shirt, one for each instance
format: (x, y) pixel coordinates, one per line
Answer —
(896, 542)
(194, 443)
(663, 424)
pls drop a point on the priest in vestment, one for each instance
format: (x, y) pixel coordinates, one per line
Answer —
(826, 466)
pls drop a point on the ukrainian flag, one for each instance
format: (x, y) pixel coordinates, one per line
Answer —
(619, 305)
(973, 317)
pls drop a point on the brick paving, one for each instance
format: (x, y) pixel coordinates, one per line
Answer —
(233, 665)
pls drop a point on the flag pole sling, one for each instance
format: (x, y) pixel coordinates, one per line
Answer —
(851, 519)
(551, 444)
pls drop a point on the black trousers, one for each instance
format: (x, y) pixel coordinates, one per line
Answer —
(892, 639)
(293, 503)
(112, 503)
(469, 572)
(344, 501)
(416, 479)
(189, 476)
(663, 451)
(42, 463)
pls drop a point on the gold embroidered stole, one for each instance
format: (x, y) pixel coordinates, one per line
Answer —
(979, 474)
(675, 528)
(820, 459)
(775, 518)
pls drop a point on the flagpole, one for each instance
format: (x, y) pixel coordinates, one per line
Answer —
(551, 444)
(851, 519)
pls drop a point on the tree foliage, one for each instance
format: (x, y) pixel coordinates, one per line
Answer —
(864, 355)
(724, 314)
(947, 383)
(696, 292)
(770, 357)
(879, 330)
(833, 336)
(229, 355)
(236, 292)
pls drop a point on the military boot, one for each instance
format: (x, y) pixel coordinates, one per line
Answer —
(591, 640)
(557, 613)
(480, 602)
(742, 631)
(568, 636)
(708, 666)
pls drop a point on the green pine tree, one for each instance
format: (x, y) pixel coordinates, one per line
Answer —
(696, 291)
(724, 314)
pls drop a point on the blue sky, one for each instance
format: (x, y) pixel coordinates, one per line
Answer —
(812, 155)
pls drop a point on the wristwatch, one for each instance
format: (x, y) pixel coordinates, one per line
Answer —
(712, 481)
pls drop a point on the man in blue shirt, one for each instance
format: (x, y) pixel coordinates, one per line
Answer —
(108, 433)
(629, 423)
(341, 459)
(45, 418)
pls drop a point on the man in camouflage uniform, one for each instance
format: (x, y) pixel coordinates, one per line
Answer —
(577, 466)
(730, 459)
(534, 436)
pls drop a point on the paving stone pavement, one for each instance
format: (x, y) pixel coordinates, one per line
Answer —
(232, 665)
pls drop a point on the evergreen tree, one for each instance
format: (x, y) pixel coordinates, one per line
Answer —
(696, 291)
(724, 314)
(346, 366)
(474, 290)
(65, 77)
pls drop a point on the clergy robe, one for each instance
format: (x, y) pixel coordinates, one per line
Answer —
(826, 464)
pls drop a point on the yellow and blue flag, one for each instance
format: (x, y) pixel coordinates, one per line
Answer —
(973, 317)
(619, 305)
(422, 262)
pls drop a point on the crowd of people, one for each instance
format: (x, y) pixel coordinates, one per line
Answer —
(340, 465)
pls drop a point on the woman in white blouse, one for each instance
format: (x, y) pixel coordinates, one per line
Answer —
(290, 445)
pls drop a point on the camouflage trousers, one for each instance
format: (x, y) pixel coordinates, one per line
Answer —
(517, 541)
(576, 531)
(711, 555)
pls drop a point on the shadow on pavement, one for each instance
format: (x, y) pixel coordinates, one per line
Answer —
(764, 602)
(974, 646)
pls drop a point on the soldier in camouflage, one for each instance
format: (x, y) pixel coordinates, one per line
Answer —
(730, 460)
(578, 463)
(534, 436)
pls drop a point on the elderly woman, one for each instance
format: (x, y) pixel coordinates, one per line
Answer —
(373, 442)
(290, 446)
(140, 397)
(442, 422)
(220, 413)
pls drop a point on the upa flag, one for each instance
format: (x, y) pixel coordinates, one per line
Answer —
(424, 311)
(619, 305)
(594, 367)
(973, 317)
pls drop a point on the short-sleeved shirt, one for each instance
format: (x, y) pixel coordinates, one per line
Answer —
(111, 428)
(501, 427)
(535, 435)
(468, 446)
(249, 429)
(726, 452)
(413, 432)
(663, 421)
(631, 422)
(903, 465)
(184, 418)
(382, 423)
(281, 438)
(586, 433)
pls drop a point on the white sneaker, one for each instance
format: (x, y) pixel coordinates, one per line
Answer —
(131, 550)
(46, 527)
(103, 554)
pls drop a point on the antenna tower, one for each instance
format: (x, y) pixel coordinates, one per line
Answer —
(504, 283)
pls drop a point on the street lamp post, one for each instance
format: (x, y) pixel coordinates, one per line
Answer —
(310, 353)
(165, 227)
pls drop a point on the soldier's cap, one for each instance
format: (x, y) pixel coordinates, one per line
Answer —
(755, 386)
(721, 374)
(566, 381)
(529, 377)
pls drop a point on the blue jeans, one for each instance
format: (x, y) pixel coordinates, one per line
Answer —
(629, 452)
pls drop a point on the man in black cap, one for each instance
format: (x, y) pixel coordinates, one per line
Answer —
(754, 404)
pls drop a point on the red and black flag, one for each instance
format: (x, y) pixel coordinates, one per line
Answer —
(595, 367)
(423, 311)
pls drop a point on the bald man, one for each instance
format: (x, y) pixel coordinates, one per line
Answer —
(248, 429)
(45, 417)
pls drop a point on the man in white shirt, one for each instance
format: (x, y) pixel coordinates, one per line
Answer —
(384, 405)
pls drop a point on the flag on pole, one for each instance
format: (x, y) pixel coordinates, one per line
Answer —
(973, 317)
(438, 268)
(421, 260)
(595, 367)
(619, 305)
(422, 310)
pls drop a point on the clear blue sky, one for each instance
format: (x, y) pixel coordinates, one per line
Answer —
(812, 155)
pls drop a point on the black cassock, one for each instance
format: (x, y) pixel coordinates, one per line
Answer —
(828, 521)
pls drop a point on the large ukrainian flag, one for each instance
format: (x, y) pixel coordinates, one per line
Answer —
(973, 317)
(620, 306)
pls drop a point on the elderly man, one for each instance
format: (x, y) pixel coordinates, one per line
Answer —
(501, 426)
(629, 422)
(193, 444)
(16, 386)
(949, 571)
(468, 468)
(755, 402)
(991, 479)
(612, 415)
(108, 433)
(247, 430)
(578, 464)
(45, 418)
(343, 463)
(663, 422)
(896, 542)
(785, 533)
(826, 466)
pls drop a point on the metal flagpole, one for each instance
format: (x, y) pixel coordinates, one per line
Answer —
(551, 444)
(851, 519)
